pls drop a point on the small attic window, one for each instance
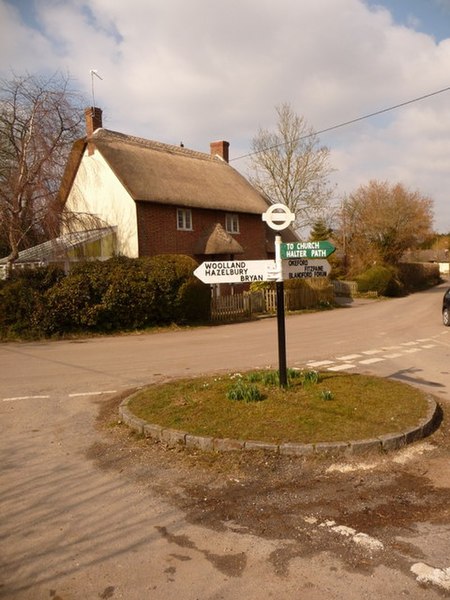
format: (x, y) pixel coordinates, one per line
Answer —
(184, 219)
(232, 223)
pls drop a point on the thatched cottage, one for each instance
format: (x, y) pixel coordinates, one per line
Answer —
(161, 199)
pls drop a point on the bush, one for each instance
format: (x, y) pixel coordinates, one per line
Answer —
(118, 294)
(419, 276)
(380, 279)
(173, 282)
(124, 293)
(22, 301)
(39, 279)
(194, 301)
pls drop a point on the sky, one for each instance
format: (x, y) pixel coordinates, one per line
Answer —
(195, 71)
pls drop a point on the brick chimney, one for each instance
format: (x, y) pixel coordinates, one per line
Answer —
(220, 149)
(93, 117)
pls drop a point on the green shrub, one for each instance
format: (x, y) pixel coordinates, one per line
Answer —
(20, 309)
(418, 276)
(124, 293)
(243, 391)
(172, 280)
(117, 294)
(381, 279)
(70, 305)
(22, 301)
(194, 301)
(39, 279)
(129, 300)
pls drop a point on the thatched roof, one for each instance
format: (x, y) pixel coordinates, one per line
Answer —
(215, 240)
(434, 256)
(155, 172)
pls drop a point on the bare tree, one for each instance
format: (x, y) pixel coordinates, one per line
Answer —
(380, 221)
(39, 120)
(290, 166)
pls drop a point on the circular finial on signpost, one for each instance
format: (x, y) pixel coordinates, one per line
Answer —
(278, 216)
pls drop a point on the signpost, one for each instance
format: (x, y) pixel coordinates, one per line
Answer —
(278, 217)
(294, 260)
(307, 250)
(235, 271)
(303, 268)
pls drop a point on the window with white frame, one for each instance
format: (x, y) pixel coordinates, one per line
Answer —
(184, 219)
(232, 223)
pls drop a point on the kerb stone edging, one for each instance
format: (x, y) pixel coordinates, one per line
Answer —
(387, 442)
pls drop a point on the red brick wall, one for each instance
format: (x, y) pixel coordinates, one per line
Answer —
(158, 233)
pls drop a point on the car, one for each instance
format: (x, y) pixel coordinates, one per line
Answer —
(446, 308)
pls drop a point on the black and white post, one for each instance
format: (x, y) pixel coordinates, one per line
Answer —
(281, 326)
(278, 217)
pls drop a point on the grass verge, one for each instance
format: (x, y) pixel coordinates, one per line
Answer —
(326, 407)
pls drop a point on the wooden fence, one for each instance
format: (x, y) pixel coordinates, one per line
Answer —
(230, 308)
(240, 306)
(345, 288)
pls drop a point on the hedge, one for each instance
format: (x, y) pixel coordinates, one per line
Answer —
(118, 294)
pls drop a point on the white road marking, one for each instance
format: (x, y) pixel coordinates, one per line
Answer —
(25, 398)
(370, 361)
(405, 348)
(76, 395)
(343, 367)
(320, 363)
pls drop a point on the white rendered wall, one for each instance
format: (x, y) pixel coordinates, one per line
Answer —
(97, 191)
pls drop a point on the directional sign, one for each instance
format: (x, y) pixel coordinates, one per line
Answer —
(302, 268)
(236, 271)
(307, 250)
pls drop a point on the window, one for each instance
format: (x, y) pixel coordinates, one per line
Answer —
(184, 219)
(232, 223)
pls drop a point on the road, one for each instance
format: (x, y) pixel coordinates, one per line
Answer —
(88, 512)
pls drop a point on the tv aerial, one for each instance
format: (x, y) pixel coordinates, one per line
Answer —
(94, 73)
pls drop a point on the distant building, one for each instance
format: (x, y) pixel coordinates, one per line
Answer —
(440, 257)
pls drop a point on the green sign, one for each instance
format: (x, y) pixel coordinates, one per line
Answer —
(307, 250)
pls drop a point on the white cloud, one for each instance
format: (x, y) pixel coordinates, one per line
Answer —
(200, 70)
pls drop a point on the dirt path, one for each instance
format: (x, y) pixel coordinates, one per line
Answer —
(375, 512)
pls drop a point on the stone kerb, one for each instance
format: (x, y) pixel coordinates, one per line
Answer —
(387, 442)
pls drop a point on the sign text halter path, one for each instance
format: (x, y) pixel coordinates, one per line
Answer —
(307, 250)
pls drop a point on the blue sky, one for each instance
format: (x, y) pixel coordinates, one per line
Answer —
(428, 16)
(199, 70)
